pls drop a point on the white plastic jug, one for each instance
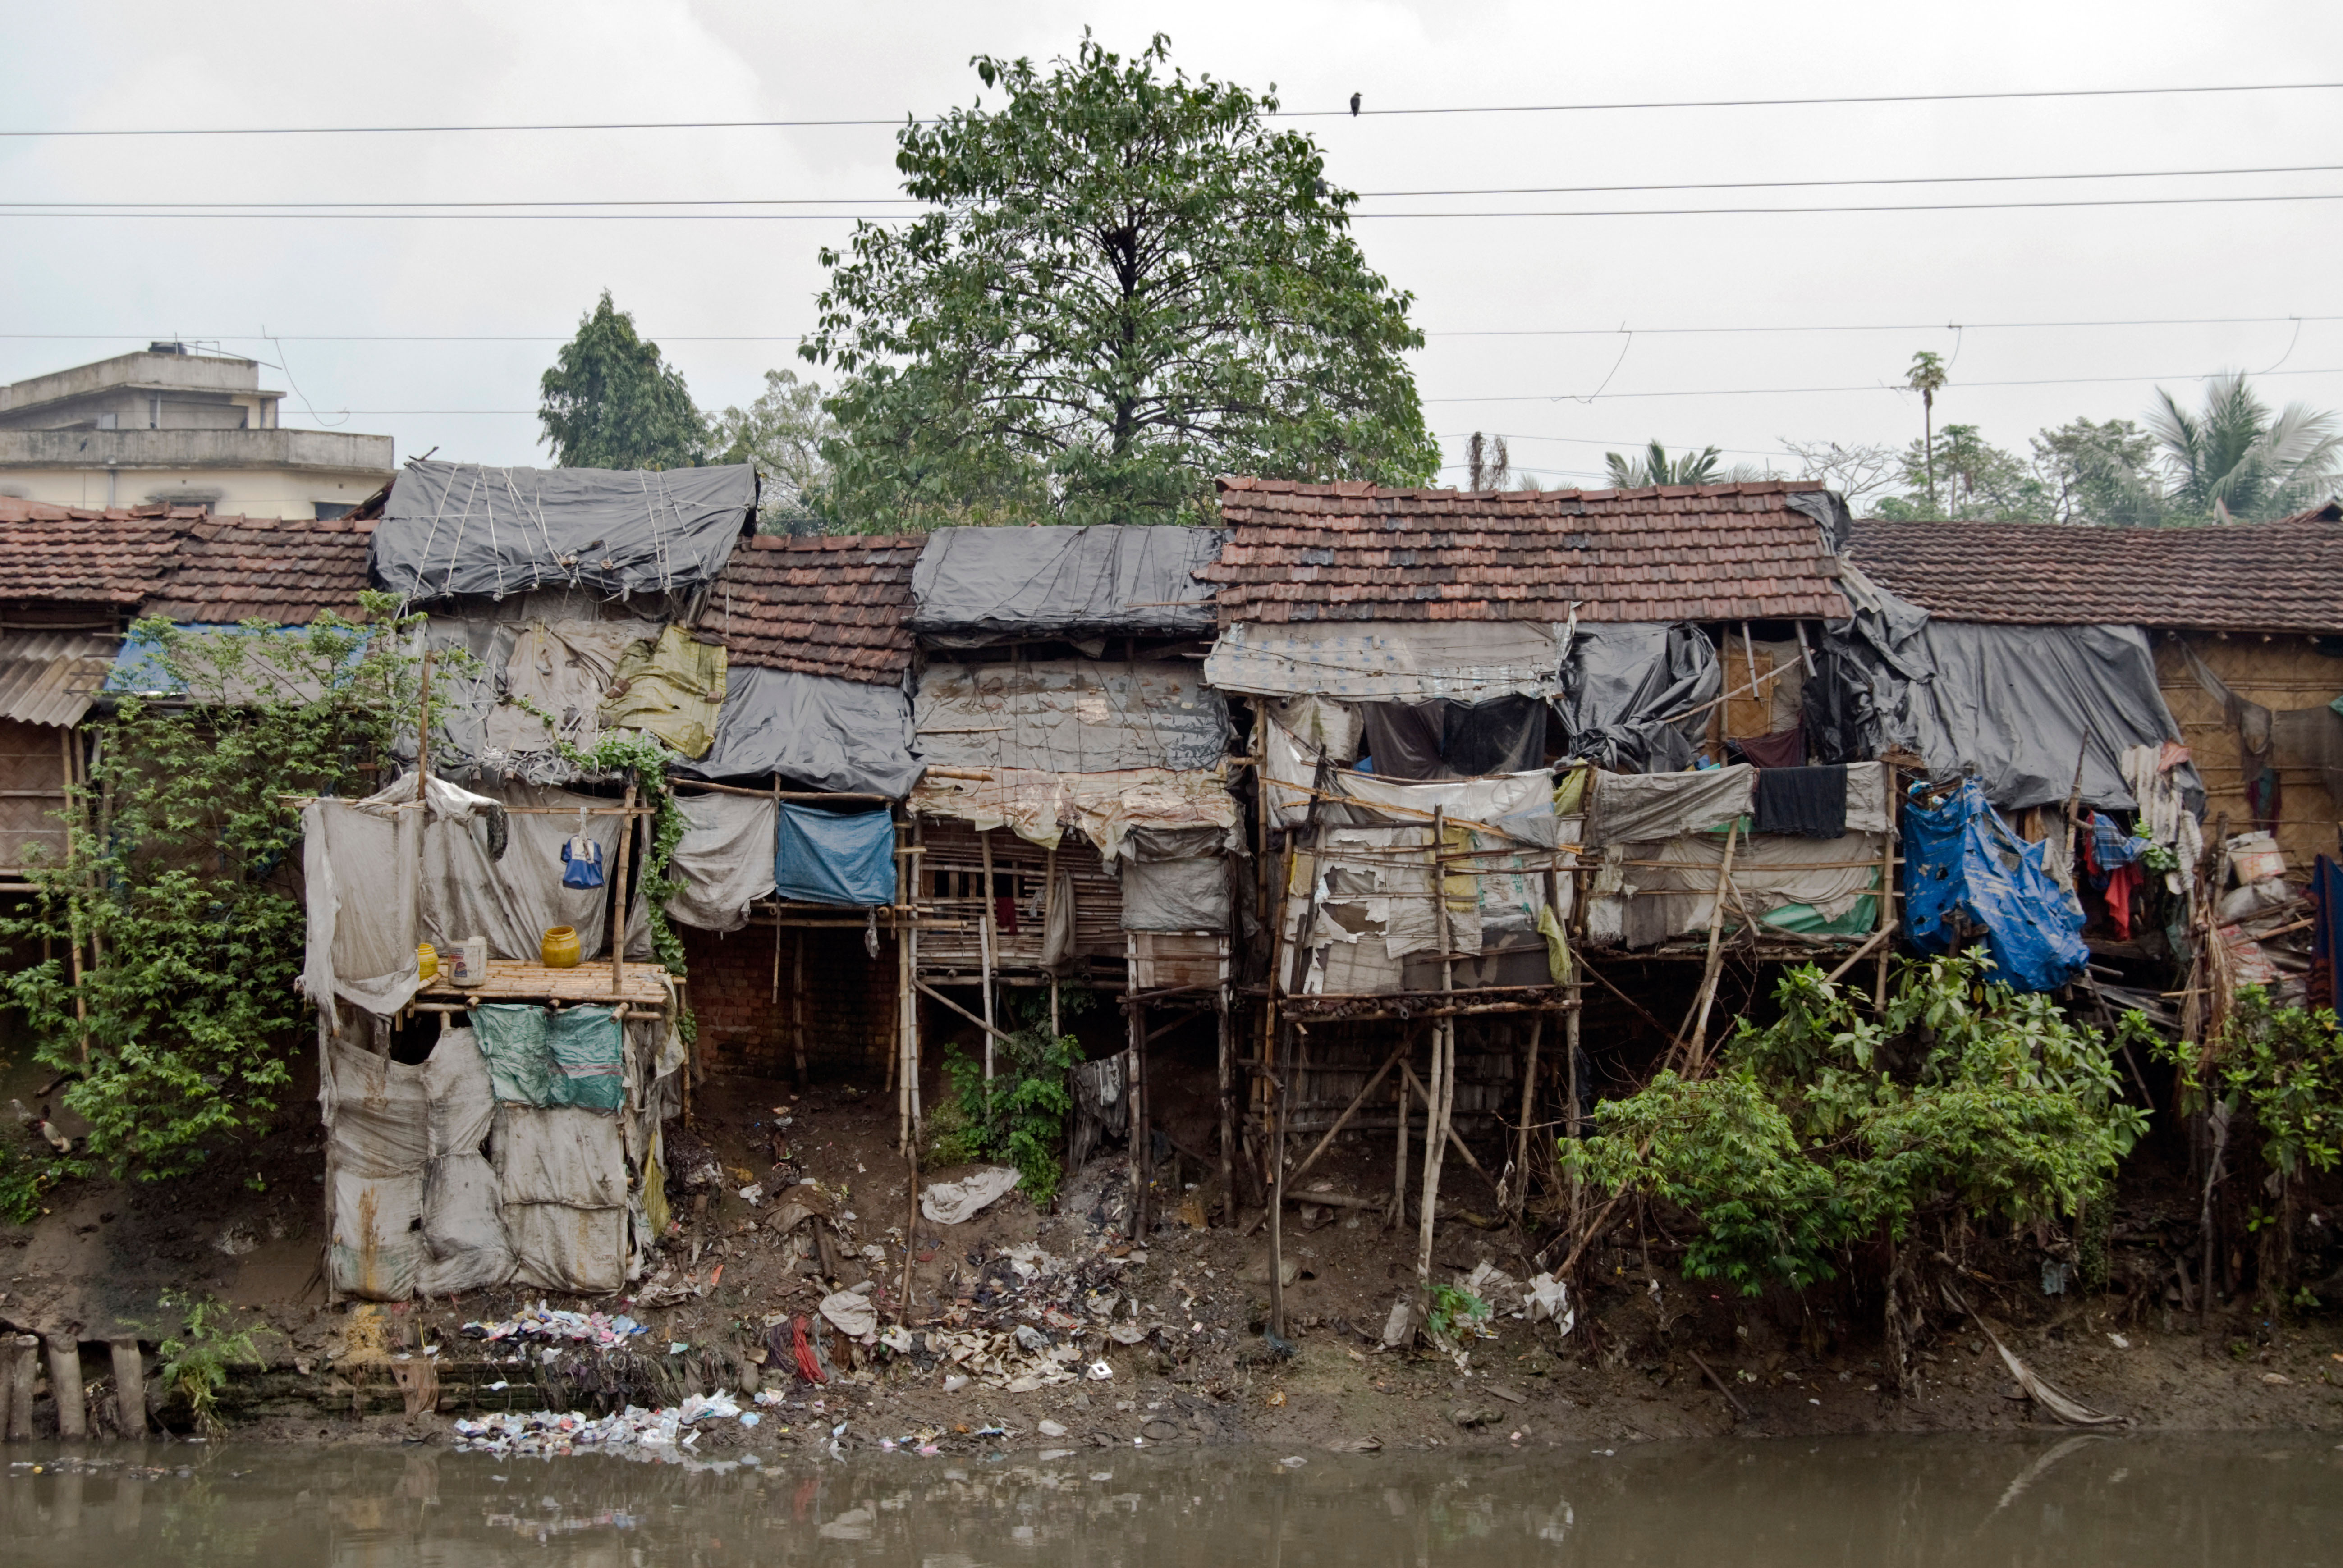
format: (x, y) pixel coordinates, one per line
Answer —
(467, 961)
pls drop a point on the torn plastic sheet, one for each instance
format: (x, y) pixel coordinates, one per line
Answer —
(1672, 883)
(816, 730)
(1070, 715)
(1965, 870)
(951, 1203)
(671, 688)
(464, 528)
(725, 859)
(513, 900)
(1636, 694)
(1389, 661)
(973, 586)
(1103, 807)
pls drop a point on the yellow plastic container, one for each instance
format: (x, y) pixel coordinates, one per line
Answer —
(558, 947)
(426, 961)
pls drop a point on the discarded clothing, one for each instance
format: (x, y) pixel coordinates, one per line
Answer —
(1963, 868)
(834, 857)
(1804, 802)
(951, 1203)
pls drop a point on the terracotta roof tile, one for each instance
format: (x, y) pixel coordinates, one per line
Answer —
(1683, 552)
(837, 604)
(2277, 576)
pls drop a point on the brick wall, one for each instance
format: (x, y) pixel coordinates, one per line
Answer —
(849, 1002)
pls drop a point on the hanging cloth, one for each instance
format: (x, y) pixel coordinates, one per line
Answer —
(581, 858)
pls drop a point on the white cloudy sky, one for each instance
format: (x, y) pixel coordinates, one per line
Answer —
(73, 288)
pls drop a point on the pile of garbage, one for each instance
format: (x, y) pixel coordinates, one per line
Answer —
(544, 1325)
(1030, 1319)
(551, 1434)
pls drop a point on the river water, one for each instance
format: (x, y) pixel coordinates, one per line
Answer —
(2270, 1501)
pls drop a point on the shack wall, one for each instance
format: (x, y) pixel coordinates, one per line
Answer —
(32, 791)
(849, 1000)
(2279, 673)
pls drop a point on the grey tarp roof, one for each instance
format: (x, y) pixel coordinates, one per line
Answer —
(467, 528)
(973, 586)
(817, 729)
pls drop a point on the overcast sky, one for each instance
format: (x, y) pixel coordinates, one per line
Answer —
(322, 284)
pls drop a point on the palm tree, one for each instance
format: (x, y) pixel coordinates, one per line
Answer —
(1653, 466)
(1926, 377)
(2232, 460)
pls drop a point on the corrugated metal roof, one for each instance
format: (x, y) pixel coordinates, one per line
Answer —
(51, 677)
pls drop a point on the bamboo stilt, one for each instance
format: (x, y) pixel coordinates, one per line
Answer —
(65, 1383)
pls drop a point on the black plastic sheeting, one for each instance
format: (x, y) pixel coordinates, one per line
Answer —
(1424, 741)
(1622, 682)
(2016, 707)
(974, 586)
(816, 730)
(464, 528)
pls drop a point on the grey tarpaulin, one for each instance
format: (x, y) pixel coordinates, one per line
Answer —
(725, 860)
(973, 586)
(515, 899)
(1175, 879)
(358, 869)
(465, 529)
(814, 729)
(1390, 661)
(1070, 715)
(1636, 808)
(1622, 682)
(562, 1178)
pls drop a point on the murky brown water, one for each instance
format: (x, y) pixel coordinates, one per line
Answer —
(2270, 1502)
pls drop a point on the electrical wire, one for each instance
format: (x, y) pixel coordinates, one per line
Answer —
(906, 120)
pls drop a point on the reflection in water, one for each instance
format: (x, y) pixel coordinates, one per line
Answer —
(1910, 1503)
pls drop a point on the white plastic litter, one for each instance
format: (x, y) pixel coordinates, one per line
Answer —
(951, 1202)
(753, 1194)
(1548, 1299)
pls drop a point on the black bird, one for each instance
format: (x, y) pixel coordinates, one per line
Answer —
(1354, 106)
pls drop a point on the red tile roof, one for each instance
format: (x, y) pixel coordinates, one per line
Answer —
(80, 555)
(264, 568)
(1356, 552)
(836, 604)
(2241, 576)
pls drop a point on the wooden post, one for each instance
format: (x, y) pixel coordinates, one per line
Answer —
(1440, 1091)
(911, 1229)
(1228, 1108)
(618, 899)
(423, 729)
(18, 1372)
(1520, 1190)
(1136, 1012)
(129, 1388)
(1886, 889)
(984, 936)
(1275, 1138)
(911, 1034)
(1696, 1039)
(65, 1383)
(796, 1004)
(1570, 1117)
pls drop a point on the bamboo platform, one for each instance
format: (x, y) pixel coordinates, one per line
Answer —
(513, 981)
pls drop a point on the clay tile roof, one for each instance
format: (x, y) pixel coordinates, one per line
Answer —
(283, 570)
(78, 555)
(1302, 552)
(2277, 576)
(836, 604)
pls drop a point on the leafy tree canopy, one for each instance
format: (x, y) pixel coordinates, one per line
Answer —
(1652, 466)
(610, 401)
(1127, 284)
(782, 433)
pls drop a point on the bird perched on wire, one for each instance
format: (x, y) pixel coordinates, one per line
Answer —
(1354, 106)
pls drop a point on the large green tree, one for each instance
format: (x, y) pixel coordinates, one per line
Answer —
(2233, 458)
(782, 432)
(610, 401)
(1126, 283)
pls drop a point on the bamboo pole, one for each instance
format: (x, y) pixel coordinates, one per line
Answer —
(65, 1383)
(1343, 1120)
(1227, 1085)
(1521, 1190)
(1398, 1169)
(1887, 892)
(796, 1003)
(984, 936)
(1135, 1013)
(619, 903)
(1570, 1116)
(1276, 1141)
(1696, 1039)
(1441, 1087)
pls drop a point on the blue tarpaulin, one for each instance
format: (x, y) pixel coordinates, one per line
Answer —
(834, 857)
(1961, 859)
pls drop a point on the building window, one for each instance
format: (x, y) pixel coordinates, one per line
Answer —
(329, 511)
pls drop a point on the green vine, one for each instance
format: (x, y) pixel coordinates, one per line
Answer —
(172, 926)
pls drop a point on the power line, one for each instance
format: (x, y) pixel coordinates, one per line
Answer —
(602, 203)
(49, 210)
(1872, 387)
(908, 120)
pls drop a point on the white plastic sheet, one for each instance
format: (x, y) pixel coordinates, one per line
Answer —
(725, 860)
(951, 1202)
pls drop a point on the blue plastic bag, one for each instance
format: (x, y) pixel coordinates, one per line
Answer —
(582, 863)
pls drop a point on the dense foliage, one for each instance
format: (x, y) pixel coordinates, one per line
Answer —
(1126, 283)
(1021, 1116)
(1963, 1100)
(177, 889)
(611, 401)
(782, 433)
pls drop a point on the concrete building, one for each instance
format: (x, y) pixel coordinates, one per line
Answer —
(172, 425)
